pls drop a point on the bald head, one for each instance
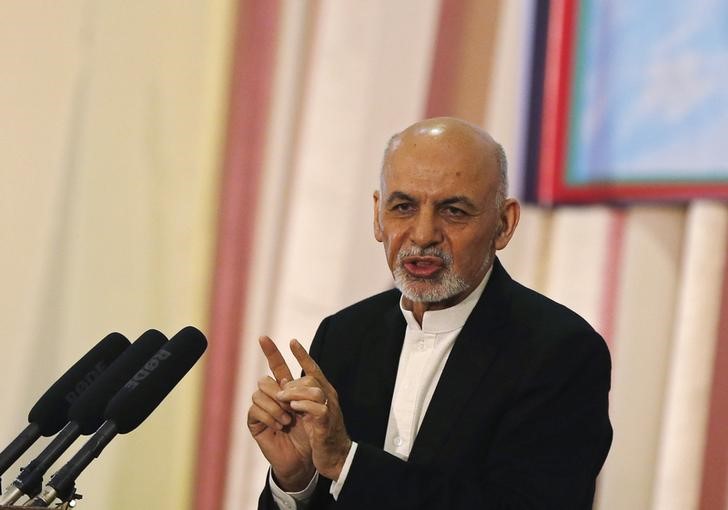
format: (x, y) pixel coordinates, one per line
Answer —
(458, 135)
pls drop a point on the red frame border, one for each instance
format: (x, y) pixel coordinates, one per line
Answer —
(558, 80)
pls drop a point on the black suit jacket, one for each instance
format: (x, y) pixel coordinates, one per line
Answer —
(518, 419)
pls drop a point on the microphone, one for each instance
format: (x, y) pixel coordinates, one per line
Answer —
(134, 402)
(49, 414)
(86, 414)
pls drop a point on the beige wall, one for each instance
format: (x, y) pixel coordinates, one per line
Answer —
(109, 138)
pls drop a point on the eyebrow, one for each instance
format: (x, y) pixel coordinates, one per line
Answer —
(398, 195)
(458, 199)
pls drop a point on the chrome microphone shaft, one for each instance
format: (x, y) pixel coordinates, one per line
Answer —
(45, 498)
(11, 495)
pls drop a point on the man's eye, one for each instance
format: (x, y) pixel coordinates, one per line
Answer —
(454, 211)
(403, 208)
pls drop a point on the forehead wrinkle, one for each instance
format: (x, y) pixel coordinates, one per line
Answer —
(452, 132)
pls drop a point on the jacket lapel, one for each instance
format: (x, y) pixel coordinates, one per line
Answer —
(472, 354)
(377, 372)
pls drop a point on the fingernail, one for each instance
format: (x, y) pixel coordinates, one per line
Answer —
(286, 419)
(280, 394)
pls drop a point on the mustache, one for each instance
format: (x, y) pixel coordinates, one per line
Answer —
(430, 251)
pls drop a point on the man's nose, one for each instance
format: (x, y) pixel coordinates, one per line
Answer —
(426, 229)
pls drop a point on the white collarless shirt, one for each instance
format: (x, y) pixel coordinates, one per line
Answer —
(424, 353)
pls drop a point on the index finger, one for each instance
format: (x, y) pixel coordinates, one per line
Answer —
(276, 363)
(309, 365)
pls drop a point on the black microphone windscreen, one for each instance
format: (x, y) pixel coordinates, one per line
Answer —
(50, 412)
(148, 387)
(88, 409)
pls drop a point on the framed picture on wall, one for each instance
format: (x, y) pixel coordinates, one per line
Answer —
(634, 101)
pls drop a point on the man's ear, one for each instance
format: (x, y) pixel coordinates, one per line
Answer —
(377, 223)
(509, 216)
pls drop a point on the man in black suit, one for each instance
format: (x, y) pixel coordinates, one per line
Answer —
(461, 389)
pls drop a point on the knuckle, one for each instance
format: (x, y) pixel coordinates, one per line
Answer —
(260, 399)
(292, 384)
(253, 414)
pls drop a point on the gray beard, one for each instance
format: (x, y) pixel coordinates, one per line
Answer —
(427, 290)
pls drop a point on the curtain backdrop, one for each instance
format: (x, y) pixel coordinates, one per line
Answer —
(212, 163)
(649, 278)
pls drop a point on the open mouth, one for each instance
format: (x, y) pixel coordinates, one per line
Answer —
(423, 267)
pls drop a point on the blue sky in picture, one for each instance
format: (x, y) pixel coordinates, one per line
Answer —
(650, 97)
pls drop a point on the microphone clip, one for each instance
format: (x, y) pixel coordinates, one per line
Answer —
(69, 497)
(71, 503)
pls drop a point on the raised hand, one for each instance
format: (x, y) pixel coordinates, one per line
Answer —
(314, 397)
(276, 428)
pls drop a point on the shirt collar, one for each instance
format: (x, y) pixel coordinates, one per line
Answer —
(447, 319)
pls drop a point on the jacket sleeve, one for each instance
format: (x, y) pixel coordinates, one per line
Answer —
(549, 446)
